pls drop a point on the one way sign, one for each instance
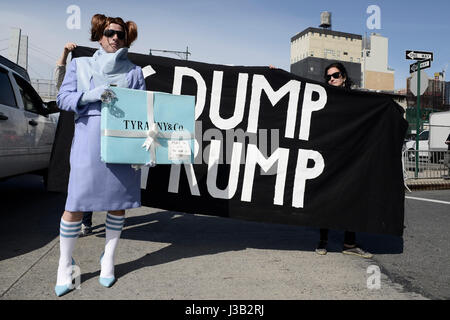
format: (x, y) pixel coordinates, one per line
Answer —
(423, 65)
(418, 55)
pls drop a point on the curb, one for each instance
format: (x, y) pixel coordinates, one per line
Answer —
(428, 185)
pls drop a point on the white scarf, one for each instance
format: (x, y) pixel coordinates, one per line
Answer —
(104, 68)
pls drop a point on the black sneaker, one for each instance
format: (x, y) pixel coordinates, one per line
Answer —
(321, 248)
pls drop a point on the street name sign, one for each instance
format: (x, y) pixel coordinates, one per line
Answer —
(418, 55)
(423, 65)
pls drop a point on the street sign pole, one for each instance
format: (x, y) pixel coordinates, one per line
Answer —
(423, 59)
(417, 120)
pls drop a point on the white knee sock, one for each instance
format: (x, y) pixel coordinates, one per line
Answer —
(67, 238)
(114, 226)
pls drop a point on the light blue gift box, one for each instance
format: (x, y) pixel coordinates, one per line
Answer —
(129, 118)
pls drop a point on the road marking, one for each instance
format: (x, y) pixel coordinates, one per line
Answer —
(430, 200)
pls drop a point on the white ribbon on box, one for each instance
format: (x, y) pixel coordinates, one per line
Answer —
(151, 135)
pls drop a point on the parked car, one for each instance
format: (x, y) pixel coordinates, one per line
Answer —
(27, 124)
(410, 146)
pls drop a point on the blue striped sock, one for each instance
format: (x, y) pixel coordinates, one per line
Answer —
(68, 235)
(113, 225)
(69, 229)
(114, 222)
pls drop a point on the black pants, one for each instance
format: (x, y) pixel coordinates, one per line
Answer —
(87, 218)
(349, 237)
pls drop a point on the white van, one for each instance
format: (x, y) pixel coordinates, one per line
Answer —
(439, 130)
(27, 130)
(432, 141)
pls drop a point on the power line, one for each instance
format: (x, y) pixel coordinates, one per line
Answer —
(44, 50)
(37, 49)
(42, 61)
(40, 76)
(44, 55)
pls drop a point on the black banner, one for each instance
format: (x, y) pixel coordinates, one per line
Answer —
(273, 147)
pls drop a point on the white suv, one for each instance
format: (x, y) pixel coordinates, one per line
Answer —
(27, 129)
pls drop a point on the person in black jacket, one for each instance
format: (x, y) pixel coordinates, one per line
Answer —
(336, 75)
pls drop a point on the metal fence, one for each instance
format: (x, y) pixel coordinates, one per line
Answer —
(45, 88)
(429, 164)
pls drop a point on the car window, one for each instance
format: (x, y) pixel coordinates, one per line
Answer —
(6, 90)
(31, 100)
(424, 135)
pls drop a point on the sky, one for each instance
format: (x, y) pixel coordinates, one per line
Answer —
(232, 32)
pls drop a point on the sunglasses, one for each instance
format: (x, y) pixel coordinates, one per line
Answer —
(110, 33)
(335, 75)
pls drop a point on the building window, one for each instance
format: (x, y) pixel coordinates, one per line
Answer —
(330, 53)
(345, 53)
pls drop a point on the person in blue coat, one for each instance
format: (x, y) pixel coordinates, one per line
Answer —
(93, 184)
(59, 73)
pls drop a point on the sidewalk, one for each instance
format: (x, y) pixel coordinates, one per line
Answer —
(165, 255)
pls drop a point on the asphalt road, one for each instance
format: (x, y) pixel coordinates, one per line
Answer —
(186, 256)
(424, 265)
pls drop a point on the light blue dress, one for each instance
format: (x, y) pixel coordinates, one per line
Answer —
(93, 184)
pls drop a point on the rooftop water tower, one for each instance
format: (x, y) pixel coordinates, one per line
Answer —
(325, 20)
